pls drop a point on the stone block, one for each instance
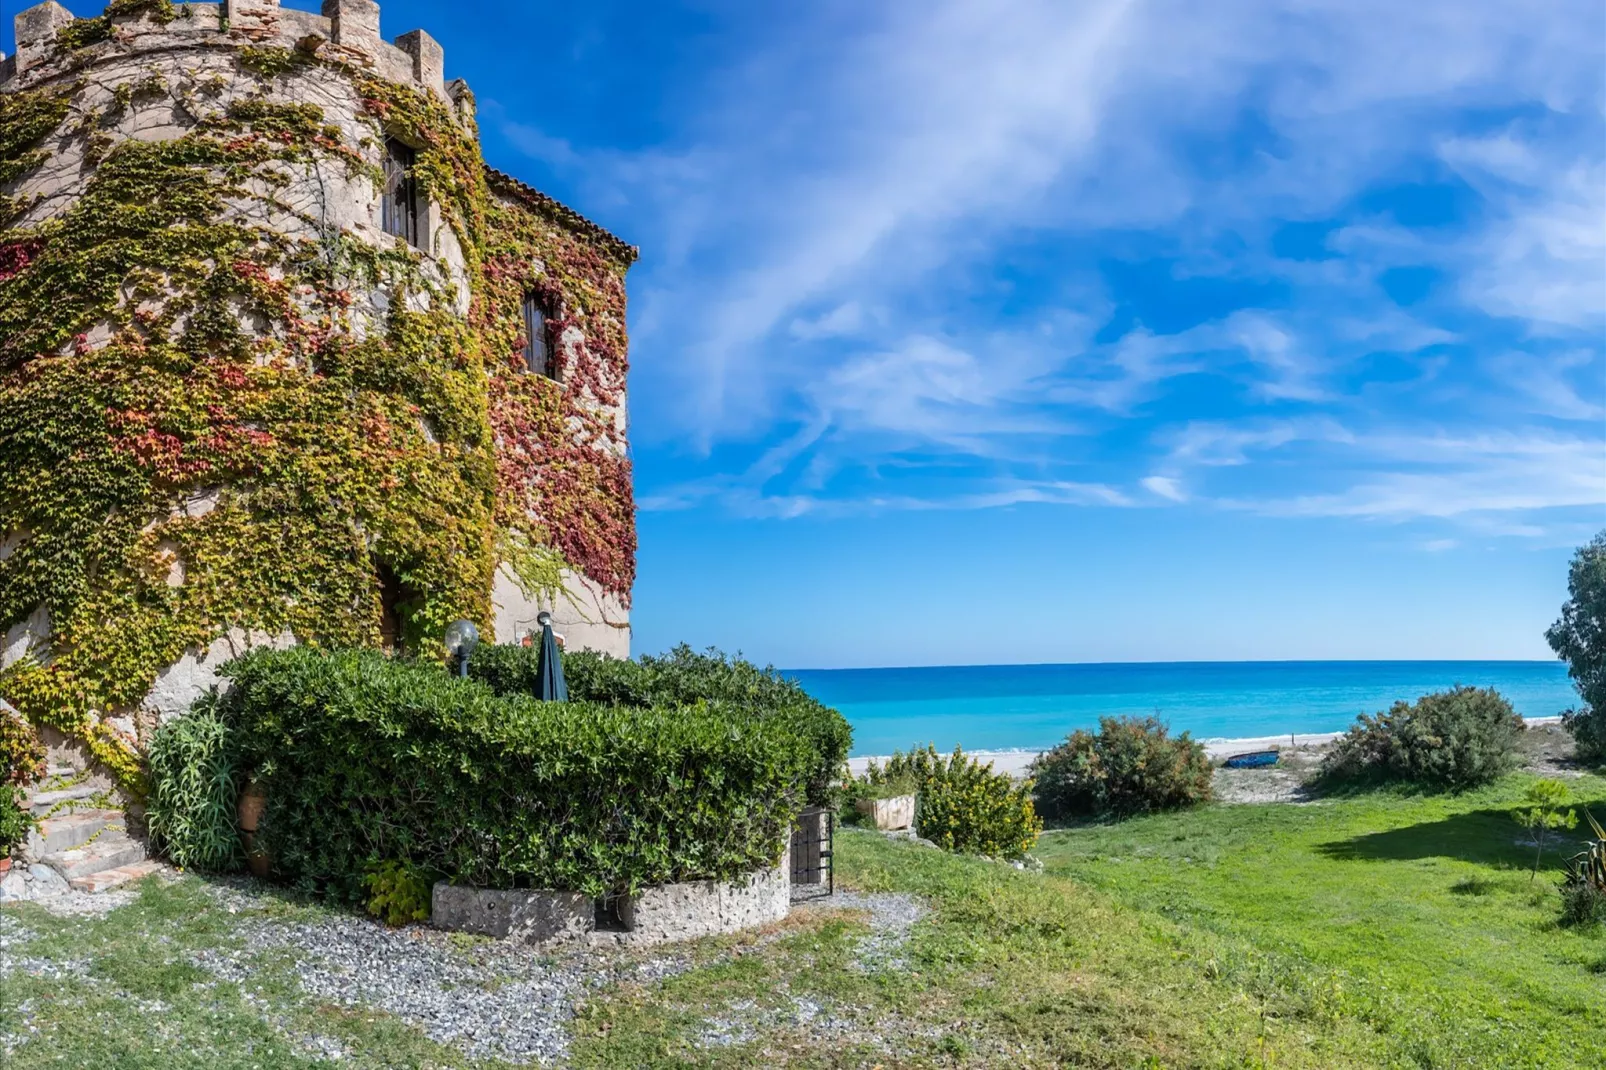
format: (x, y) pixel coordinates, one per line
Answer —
(429, 59)
(66, 831)
(532, 916)
(46, 881)
(111, 850)
(251, 16)
(707, 908)
(36, 30)
(353, 23)
(889, 814)
(106, 880)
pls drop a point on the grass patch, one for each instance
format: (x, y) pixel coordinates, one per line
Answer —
(121, 991)
(1420, 909)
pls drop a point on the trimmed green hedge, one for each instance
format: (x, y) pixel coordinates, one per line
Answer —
(684, 677)
(367, 760)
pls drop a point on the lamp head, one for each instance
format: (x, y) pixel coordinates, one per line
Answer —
(461, 637)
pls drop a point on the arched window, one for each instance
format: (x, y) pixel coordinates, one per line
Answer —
(401, 193)
(539, 355)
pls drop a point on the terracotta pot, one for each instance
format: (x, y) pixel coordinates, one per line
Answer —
(252, 802)
(5, 866)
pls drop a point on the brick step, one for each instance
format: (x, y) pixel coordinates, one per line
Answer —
(48, 800)
(66, 831)
(109, 851)
(107, 879)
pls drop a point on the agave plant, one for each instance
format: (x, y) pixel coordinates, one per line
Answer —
(1589, 867)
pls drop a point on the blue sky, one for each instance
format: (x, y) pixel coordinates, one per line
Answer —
(1079, 331)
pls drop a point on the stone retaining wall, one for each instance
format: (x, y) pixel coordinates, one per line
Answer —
(658, 915)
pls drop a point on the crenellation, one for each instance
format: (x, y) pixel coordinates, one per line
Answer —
(257, 19)
(462, 98)
(354, 24)
(429, 60)
(296, 26)
(347, 31)
(36, 31)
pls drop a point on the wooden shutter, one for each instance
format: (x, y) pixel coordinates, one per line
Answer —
(538, 355)
(401, 193)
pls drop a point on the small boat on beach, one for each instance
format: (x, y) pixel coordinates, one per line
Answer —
(1255, 759)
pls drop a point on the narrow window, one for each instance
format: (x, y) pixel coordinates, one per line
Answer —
(401, 193)
(539, 356)
(390, 619)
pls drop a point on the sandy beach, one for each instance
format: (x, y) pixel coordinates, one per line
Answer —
(1014, 762)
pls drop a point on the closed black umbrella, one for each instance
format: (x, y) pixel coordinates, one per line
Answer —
(549, 666)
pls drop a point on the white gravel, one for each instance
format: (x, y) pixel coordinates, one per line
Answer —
(489, 999)
(892, 918)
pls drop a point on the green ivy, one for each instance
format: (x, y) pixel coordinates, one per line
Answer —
(173, 476)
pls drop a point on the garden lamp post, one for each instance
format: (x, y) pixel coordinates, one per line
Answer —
(550, 686)
(461, 639)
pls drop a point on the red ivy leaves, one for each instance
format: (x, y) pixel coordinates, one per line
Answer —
(16, 256)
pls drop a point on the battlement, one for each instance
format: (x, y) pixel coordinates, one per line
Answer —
(51, 42)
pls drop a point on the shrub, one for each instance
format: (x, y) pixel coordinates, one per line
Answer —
(963, 805)
(1582, 904)
(22, 752)
(683, 677)
(194, 791)
(1132, 765)
(1449, 740)
(15, 822)
(398, 893)
(365, 759)
(1579, 639)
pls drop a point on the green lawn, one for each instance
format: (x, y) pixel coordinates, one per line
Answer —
(1380, 930)
(1416, 916)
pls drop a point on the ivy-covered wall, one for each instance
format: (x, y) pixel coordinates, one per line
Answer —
(233, 411)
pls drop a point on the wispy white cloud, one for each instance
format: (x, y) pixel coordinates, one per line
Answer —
(831, 292)
(1168, 487)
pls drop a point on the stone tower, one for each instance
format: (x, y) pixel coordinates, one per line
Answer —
(282, 360)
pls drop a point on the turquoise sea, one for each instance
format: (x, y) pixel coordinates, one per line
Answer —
(1031, 707)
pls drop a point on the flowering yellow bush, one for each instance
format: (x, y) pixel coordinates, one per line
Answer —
(963, 806)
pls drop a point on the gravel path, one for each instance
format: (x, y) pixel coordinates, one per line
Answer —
(892, 917)
(489, 999)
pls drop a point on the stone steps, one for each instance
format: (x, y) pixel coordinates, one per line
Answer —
(45, 801)
(66, 831)
(80, 846)
(110, 850)
(107, 879)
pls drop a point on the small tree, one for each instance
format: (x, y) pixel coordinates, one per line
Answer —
(1579, 639)
(1542, 813)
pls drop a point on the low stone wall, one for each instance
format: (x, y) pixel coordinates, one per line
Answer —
(707, 908)
(653, 916)
(536, 917)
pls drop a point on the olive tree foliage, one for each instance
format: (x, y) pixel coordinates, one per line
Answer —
(1579, 639)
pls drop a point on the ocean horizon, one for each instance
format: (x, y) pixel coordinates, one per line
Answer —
(1032, 707)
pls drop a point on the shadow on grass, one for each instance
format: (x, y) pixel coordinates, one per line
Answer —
(1487, 837)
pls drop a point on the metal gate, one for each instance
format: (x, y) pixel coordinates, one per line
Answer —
(812, 839)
